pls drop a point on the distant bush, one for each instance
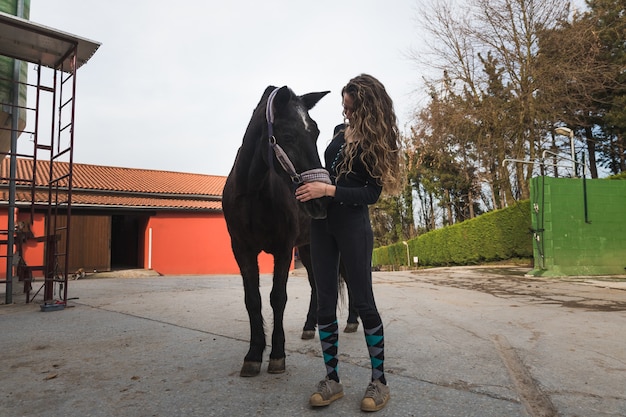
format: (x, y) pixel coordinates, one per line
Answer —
(620, 176)
(494, 236)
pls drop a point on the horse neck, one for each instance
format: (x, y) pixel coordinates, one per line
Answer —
(250, 155)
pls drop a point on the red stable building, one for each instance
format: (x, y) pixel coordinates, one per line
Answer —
(123, 218)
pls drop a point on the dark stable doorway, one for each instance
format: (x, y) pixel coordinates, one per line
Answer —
(125, 241)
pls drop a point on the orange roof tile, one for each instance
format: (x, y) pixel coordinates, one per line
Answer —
(95, 185)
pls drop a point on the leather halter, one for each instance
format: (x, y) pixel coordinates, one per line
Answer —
(317, 174)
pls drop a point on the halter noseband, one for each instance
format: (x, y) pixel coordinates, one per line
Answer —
(317, 174)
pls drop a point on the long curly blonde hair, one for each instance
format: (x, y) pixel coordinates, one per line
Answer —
(374, 126)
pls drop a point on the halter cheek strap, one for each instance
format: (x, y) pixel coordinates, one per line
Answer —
(269, 113)
(317, 174)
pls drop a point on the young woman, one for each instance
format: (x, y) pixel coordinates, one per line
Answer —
(363, 159)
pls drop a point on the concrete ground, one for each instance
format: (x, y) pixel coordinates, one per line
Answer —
(470, 341)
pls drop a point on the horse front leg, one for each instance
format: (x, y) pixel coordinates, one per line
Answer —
(278, 301)
(250, 274)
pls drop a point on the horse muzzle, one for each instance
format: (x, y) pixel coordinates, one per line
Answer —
(316, 208)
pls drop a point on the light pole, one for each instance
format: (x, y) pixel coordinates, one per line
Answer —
(566, 131)
(408, 255)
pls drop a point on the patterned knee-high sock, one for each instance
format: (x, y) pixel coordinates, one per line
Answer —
(375, 339)
(329, 336)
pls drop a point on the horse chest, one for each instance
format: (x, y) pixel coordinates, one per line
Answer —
(272, 217)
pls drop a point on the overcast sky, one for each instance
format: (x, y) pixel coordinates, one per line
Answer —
(173, 85)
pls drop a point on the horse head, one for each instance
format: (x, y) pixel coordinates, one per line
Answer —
(292, 142)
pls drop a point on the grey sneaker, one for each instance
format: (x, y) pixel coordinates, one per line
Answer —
(376, 396)
(328, 390)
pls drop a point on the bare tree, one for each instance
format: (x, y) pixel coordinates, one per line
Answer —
(486, 51)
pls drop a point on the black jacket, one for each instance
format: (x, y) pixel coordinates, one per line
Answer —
(358, 186)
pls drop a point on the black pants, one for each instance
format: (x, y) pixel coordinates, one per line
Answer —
(346, 231)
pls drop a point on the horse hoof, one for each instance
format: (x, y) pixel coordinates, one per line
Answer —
(250, 369)
(307, 334)
(351, 327)
(276, 366)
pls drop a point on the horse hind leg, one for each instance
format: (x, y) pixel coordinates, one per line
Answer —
(308, 331)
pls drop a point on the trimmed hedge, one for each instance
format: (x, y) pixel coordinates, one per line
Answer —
(494, 236)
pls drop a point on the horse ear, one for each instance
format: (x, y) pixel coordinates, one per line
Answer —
(311, 99)
(268, 90)
(282, 97)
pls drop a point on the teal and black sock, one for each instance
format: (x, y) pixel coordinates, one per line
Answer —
(329, 336)
(375, 339)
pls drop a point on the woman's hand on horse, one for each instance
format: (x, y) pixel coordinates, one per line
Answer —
(312, 190)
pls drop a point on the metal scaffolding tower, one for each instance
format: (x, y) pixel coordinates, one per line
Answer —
(33, 177)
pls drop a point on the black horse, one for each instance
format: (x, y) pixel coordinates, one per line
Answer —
(277, 154)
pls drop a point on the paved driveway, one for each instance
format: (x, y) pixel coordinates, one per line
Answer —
(460, 342)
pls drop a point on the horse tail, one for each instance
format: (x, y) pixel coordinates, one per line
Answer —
(342, 286)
